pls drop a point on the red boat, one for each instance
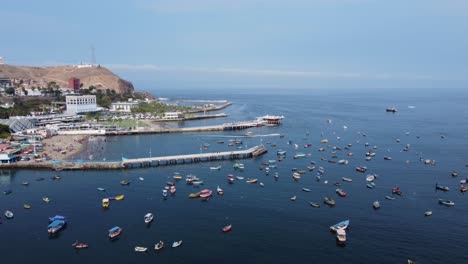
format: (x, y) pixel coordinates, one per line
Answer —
(361, 169)
(341, 192)
(115, 232)
(227, 228)
(79, 245)
(396, 190)
(206, 193)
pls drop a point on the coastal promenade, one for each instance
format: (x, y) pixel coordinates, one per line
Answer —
(140, 162)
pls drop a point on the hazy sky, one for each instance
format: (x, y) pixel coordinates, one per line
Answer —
(247, 43)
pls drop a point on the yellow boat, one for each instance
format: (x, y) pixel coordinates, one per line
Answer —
(194, 195)
(105, 202)
(120, 197)
(27, 206)
(177, 177)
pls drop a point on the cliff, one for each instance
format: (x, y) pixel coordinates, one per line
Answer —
(99, 77)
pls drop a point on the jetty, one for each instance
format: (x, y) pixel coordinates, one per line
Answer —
(139, 162)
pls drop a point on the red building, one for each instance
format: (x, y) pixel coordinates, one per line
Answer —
(74, 83)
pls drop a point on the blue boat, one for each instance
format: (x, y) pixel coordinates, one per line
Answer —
(340, 225)
(56, 226)
(57, 217)
(114, 232)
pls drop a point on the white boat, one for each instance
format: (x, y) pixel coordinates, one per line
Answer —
(261, 184)
(141, 179)
(141, 249)
(164, 193)
(148, 218)
(215, 168)
(347, 179)
(219, 190)
(370, 178)
(176, 243)
(376, 205)
(428, 213)
(239, 177)
(9, 214)
(341, 235)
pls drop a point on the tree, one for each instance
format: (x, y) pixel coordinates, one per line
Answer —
(10, 91)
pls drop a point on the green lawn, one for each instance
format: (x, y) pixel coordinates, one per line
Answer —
(125, 123)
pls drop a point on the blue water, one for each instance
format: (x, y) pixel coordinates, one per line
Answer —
(267, 226)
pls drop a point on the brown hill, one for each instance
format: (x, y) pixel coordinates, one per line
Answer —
(99, 77)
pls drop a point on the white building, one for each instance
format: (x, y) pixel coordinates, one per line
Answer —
(173, 115)
(123, 106)
(77, 104)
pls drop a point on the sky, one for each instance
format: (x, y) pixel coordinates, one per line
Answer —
(247, 44)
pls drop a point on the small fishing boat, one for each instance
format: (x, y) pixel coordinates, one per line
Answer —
(46, 199)
(296, 176)
(56, 226)
(206, 193)
(391, 109)
(396, 190)
(9, 214)
(252, 181)
(329, 201)
(176, 243)
(215, 168)
(446, 202)
(80, 245)
(27, 206)
(316, 205)
(340, 225)
(239, 177)
(389, 198)
(227, 228)
(347, 179)
(387, 158)
(463, 188)
(25, 183)
(115, 232)
(194, 195)
(197, 183)
(361, 169)
(177, 177)
(141, 249)
(159, 245)
(120, 197)
(443, 188)
(428, 213)
(370, 178)
(219, 190)
(164, 193)
(101, 189)
(141, 178)
(370, 185)
(105, 202)
(293, 198)
(341, 236)
(261, 184)
(299, 155)
(306, 190)
(340, 192)
(148, 218)
(125, 182)
(376, 205)
(311, 168)
(172, 190)
(281, 152)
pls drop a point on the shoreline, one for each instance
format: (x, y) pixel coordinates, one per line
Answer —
(63, 147)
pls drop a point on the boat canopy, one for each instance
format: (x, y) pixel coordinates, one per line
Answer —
(114, 229)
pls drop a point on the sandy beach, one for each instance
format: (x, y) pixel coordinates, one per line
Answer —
(63, 147)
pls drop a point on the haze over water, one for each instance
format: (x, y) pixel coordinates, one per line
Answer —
(267, 226)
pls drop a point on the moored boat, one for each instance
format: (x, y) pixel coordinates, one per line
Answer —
(141, 249)
(316, 205)
(341, 225)
(306, 189)
(396, 190)
(376, 205)
(215, 168)
(46, 199)
(463, 188)
(176, 243)
(194, 195)
(389, 198)
(206, 193)
(25, 183)
(428, 213)
(443, 188)
(148, 218)
(293, 198)
(347, 179)
(56, 226)
(219, 190)
(253, 181)
(361, 169)
(329, 201)
(57, 217)
(159, 245)
(296, 176)
(80, 245)
(125, 182)
(115, 232)
(101, 189)
(446, 202)
(341, 236)
(9, 214)
(164, 193)
(340, 192)
(119, 197)
(105, 202)
(172, 190)
(227, 228)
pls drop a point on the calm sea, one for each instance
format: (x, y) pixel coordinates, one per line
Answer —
(267, 226)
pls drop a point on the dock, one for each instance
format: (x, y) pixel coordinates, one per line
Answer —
(140, 162)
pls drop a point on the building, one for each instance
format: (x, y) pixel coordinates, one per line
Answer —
(5, 83)
(74, 83)
(79, 104)
(1, 61)
(173, 115)
(123, 106)
(9, 155)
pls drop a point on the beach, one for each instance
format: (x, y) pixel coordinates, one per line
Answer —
(64, 147)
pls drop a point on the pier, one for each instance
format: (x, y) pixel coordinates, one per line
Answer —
(140, 162)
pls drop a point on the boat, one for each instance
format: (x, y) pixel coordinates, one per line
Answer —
(306, 190)
(296, 176)
(170, 184)
(347, 179)
(56, 177)
(25, 183)
(239, 177)
(261, 184)
(80, 245)
(311, 168)
(281, 152)
(164, 193)
(387, 158)
(293, 198)
(361, 169)
(396, 190)
(329, 201)
(428, 213)
(248, 134)
(253, 181)
(120, 197)
(206, 193)
(324, 141)
(227, 228)
(159, 245)
(46, 199)
(341, 236)
(440, 187)
(177, 177)
(176, 243)
(8, 191)
(341, 225)
(105, 202)
(141, 249)
(463, 188)
(446, 202)
(219, 190)
(115, 232)
(391, 109)
(101, 189)
(197, 183)
(340, 192)
(238, 166)
(141, 178)
(172, 190)
(56, 226)
(148, 218)
(376, 205)
(370, 178)
(57, 217)
(194, 195)
(125, 182)
(316, 205)
(370, 185)
(389, 198)
(9, 214)
(27, 206)
(299, 155)
(343, 162)
(215, 168)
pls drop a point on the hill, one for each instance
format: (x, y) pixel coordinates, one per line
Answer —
(99, 77)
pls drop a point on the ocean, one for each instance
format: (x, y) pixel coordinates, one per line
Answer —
(267, 226)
